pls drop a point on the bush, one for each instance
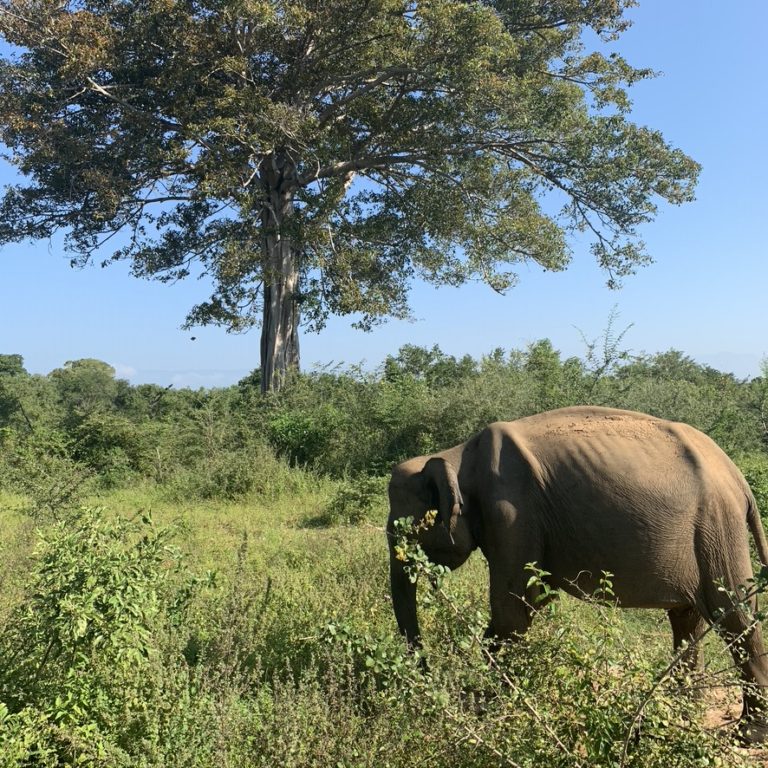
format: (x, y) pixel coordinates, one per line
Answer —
(755, 469)
(40, 466)
(98, 585)
(231, 475)
(355, 501)
(113, 447)
(303, 436)
(91, 670)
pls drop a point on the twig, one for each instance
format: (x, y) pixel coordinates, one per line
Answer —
(508, 682)
(671, 666)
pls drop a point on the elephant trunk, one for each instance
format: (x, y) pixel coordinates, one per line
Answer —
(404, 601)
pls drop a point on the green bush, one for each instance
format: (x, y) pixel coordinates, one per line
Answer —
(303, 436)
(363, 498)
(346, 422)
(92, 669)
(113, 446)
(40, 466)
(98, 585)
(232, 474)
(755, 469)
(26, 738)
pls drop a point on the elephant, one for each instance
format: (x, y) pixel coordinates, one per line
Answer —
(586, 490)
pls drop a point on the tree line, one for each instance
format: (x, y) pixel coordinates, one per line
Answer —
(83, 423)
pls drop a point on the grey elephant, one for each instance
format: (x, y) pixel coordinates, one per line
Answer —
(584, 490)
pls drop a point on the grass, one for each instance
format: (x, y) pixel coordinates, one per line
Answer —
(288, 655)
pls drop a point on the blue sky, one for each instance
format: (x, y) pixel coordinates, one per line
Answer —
(705, 294)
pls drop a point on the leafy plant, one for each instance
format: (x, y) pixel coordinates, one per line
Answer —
(355, 501)
(40, 466)
(81, 650)
(755, 469)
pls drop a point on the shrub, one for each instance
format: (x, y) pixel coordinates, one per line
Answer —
(113, 447)
(755, 469)
(40, 466)
(80, 654)
(232, 474)
(355, 501)
(301, 435)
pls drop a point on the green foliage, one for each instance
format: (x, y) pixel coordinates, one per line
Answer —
(303, 436)
(11, 371)
(110, 445)
(85, 386)
(344, 423)
(83, 652)
(26, 738)
(384, 658)
(251, 469)
(12, 365)
(447, 140)
(755, 469)
(96, 586)
(356, 501)
(41, 466)
(430, 365)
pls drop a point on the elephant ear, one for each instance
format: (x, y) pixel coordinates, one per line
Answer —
(443, 484)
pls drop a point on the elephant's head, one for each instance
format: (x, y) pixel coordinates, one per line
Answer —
(418, 486)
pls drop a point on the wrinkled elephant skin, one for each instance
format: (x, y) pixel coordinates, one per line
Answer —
(585, 490)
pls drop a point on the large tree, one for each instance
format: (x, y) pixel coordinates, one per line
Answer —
(314, 156)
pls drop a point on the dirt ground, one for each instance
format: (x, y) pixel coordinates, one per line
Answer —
(723, 709)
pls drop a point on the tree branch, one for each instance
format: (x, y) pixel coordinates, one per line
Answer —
(367, 86)
(104, 91)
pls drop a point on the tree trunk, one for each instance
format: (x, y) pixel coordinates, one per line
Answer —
(280, 321)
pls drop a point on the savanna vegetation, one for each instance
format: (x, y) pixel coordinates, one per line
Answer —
(199, 578)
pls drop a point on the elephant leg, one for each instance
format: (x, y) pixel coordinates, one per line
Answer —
(510, 610)
(746, 645)
(517, 543)
(687, 627)
(745, 642)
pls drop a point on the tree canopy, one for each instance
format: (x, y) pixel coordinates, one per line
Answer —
(313, 157)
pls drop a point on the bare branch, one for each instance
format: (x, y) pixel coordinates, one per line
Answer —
(106, 92)
(368, 85)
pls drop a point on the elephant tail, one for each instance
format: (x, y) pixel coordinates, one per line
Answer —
(756, 528)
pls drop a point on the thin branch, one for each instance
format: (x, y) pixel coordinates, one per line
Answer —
(504, 148)
(169, 124)
(367, 86)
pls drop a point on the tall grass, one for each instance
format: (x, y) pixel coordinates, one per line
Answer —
(200, 579)
(236, 634)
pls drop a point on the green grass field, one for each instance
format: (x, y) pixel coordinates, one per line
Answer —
(251, 633)
(200, 578)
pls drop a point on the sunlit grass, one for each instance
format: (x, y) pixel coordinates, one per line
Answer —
(281, 580)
